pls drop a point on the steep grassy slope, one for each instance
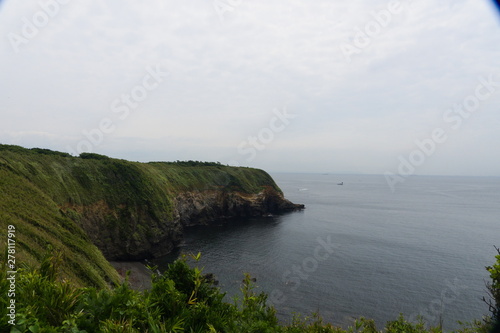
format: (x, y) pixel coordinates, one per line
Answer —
(130, 210)
(39, 223)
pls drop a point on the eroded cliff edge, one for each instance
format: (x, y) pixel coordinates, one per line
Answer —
(132, 210)
(202, 208)
(135, 232)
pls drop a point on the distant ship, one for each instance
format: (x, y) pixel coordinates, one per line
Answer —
(341, 183)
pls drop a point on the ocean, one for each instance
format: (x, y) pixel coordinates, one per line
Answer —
(359, 249)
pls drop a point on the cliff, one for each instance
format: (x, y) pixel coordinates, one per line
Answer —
(128, 210)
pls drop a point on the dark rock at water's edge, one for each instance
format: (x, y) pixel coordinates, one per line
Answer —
(204, 208)
(131, 210)
(190, 208)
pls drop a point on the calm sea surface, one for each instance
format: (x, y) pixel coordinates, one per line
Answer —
(361, 250)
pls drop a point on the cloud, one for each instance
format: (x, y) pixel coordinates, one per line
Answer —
(227, 76)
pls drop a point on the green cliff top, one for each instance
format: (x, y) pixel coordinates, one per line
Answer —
(45, 195)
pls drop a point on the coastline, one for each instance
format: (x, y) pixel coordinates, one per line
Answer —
(140, 275)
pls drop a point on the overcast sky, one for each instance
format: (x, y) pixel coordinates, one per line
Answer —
(358, 86)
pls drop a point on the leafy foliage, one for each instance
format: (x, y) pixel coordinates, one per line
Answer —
(93, 156)
(51, 197)
(192, 163)
(494, 287)
(33, 151)
(183, 299)
(43, 194)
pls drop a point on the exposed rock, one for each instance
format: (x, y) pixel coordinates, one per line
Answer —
(139, 277)
(202, 208)
(119, 233)
(94, 208)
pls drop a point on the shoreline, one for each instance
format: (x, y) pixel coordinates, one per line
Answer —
(140, 276)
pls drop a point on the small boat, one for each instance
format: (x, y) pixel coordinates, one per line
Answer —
(341, 183)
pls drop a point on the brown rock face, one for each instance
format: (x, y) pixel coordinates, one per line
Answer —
(132, 232)
(202, 208)
(127, 232)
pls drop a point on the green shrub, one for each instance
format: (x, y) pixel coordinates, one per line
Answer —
(494, 288)
(13, 148)
(46, 301)
(119, 306)
(93, 156)
(49, 152)
(183, 299)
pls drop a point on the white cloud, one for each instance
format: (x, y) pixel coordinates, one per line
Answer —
(227, 76)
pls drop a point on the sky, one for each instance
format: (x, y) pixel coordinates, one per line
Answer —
(360, 86)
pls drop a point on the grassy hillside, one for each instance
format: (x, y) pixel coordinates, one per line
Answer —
(39, 223)
(92, 177)
(62, 202)
(52, 197)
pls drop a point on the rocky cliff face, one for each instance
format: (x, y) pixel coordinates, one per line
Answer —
(202, 208)
(119, 233)
(127, 233)
(132, 210)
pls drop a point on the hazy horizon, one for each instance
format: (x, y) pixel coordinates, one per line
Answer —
(365, 87)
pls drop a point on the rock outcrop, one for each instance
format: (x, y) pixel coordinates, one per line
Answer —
(204, 208)
(119, 233)
(132, 210)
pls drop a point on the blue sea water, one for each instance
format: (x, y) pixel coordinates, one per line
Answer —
(362, 250)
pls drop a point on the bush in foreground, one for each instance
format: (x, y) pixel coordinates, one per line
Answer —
(183, 299)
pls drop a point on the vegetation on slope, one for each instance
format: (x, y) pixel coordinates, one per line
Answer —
(90, 171)
(125, 208)
(493, 287)
(92, 177)
(43, 195)
(39, 222)
(183, 299)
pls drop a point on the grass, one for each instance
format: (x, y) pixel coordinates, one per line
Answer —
(183, 299)
(65, 284)
(125, 208)
(40, 223)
